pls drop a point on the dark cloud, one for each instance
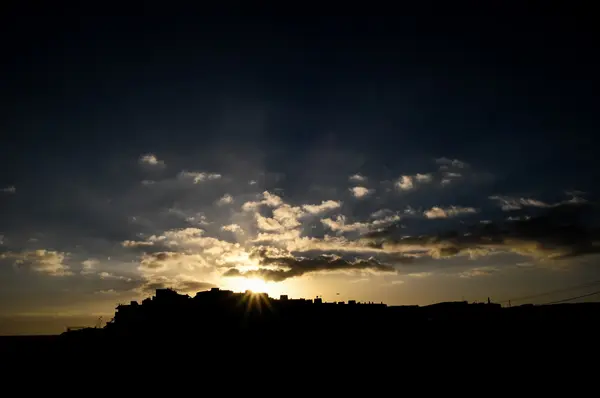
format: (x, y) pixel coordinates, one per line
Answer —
(560, 232)
(289, 266)
(185, 286)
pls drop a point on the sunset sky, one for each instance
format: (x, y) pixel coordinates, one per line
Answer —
(404, 160)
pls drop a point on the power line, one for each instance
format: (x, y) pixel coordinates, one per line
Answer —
(552, 292)
(573, 298)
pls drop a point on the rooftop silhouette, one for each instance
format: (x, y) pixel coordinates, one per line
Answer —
(222, 314)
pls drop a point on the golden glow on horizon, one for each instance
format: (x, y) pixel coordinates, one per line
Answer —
(256, 285)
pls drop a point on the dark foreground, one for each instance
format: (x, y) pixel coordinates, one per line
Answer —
(223, 325)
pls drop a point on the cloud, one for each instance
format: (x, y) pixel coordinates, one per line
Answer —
(108, 275)
(171, 261)
(41, 260)
(150, 159)
(158, 260)
(357, 178)
(339, 224)
(225, 200)
(133, 243)
(232, 228)
(188, 248)
(10, 189)
(423, 177)
(360, 192)
(480, 271)
(508, 203)
(268, 224)
(181, 285)
(443, 161)
(148, 182)
(557, 234)
(325, 206)
(405, 183)
(88, 266)
(452, 211)
(288, 266)
(198, 176)
(381, 213)
(419, 274)
(269, 199)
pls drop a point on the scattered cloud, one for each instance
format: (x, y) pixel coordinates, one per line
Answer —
(10, 189)
(181, 285)
(134, 243)
(480, 271)
(423, 177)
(445, 162)
(284, 266)
(232, 228)
(150, 159)
(339, 225)
(357, 178)
(557, 234)
(225, 200)
(452, 211)
(419, 274)
(325, 205)
(361, 192)
(198, 176)
(44, 261)
(508, 203)
(89, 266)
(405, 183)
(268, 199)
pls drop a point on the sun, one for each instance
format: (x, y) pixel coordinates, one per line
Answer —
(256, 285)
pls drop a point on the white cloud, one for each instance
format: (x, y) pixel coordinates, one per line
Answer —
(151, 160)
(452, 175)
(381, 213)
(88, 266)
(135, 243)
(325, 205)
(288, 215)
(148, 182)
(225, 200)
(232, 228)
(423, 177)
(252, 182)
(508, 203)
(420, 274)
(451, 162)
(269, 199)
(357, 178)
(268, 224)
(198, 176)
(385, 221)
(405, 183)
(481, 271)
(272, 200)
(108, 275)
(9, 189)
(452, 211)
(339, 224)
(41, 260)
(360, 192)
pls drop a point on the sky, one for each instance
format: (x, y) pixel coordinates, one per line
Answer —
(404, 160)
